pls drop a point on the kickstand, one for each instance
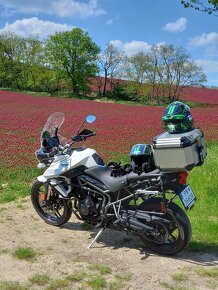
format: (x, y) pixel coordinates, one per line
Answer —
(96, 237)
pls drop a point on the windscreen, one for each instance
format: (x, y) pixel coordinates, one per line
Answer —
(52, 127)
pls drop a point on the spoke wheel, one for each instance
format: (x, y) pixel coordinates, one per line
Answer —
(169, 237)
(52, 210)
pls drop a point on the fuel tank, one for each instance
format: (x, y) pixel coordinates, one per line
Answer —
(80, 157)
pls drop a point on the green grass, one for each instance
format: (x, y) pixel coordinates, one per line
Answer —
(211, 273)
(204, 215)
(58, 284)
(119, 280)
(25, 253)
(206, 276)
(180, 277)
(103, 269)
(15, 182)
(96, 282)
(87, 278)
(171, 286)
(77, 276)
(123, 276)
(83, 280)
(5, 285)
(212, 284)
(39, 279)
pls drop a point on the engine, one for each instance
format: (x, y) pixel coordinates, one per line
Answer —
(86, 206)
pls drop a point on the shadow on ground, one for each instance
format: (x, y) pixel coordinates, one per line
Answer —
(116, 239)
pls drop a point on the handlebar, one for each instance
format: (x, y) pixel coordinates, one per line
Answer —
(46, 157)
(90, 135)
(53, 152)
(79, 137)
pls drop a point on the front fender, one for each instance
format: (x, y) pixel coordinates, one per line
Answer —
(42, 179)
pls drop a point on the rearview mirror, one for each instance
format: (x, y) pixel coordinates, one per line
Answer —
(90, 119)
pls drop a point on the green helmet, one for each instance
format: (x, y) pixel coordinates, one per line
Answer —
(177, 118)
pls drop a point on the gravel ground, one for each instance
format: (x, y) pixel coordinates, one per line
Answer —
(62, 251)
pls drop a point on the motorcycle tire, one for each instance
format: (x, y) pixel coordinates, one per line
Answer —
(167, 244)
(51, 216)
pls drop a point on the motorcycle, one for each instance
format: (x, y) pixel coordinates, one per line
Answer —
(78, 181)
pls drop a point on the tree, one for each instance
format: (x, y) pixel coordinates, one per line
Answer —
(74, 53)
(211, 6)
(109, 61)
(172, 71)
(154, 76)
(137, 69)
(22, 62)
(11, 56)
(33, 62)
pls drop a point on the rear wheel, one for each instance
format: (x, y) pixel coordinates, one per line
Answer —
(167, 237)
(53, 210)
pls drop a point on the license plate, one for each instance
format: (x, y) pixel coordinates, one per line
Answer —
(187, 197)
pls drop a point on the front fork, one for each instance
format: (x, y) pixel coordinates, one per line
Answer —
(44, 196)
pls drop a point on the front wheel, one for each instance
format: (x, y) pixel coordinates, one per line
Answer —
(170, 236)
(49, 206)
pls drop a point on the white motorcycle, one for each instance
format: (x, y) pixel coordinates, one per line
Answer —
(77, 180)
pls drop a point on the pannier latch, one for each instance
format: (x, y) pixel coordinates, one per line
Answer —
(200, 152)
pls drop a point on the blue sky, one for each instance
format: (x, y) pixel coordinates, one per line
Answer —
(132, 25)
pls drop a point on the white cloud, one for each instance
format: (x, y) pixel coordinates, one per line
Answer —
(118, 43)
(209, 66)
(204, 39)
(28, 26)
(112, 20)
(135, 46)
(177, 26)
(131, 47)
(60, 8)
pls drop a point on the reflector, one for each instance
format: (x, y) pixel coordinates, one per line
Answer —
(183, 176)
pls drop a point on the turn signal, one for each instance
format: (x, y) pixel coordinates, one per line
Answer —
(183, 176)
(43, 196)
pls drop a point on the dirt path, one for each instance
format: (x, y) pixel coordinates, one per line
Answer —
(62, 251)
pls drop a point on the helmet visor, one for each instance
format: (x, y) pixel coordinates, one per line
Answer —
(172, 121)
(173, 110)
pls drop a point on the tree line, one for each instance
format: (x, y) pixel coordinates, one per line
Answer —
(71, 61)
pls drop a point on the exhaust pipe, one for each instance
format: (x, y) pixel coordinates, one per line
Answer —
(135, 224)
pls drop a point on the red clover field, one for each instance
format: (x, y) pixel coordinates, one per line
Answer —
(118, 126)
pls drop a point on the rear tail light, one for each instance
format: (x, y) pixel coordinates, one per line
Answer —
(183, 176)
